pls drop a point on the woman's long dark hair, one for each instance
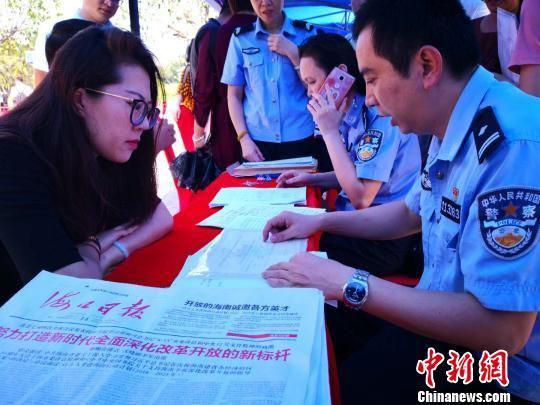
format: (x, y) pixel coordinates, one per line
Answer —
(91, 194)
(331, 50)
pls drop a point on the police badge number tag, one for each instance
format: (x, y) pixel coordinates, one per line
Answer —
(509, 220)
(369, 145)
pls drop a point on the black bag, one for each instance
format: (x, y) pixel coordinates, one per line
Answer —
(194, 170)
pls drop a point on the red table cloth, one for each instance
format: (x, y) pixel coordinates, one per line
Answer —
(159, 263)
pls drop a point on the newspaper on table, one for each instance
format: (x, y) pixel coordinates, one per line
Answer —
(69, 340)
(252, 216)
(252, 195)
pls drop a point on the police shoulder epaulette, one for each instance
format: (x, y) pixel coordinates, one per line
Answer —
(487, 133)
(302, 24)
(244, 29)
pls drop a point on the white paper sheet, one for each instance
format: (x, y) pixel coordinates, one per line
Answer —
(238, 253)
(69, 340)
(301, 161)
(211, 280)
(252, 216)
(249, 195)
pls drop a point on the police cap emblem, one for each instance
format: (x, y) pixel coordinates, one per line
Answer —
(509, 220)
(369, 145)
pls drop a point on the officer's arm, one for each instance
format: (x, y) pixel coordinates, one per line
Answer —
(456, 318)
(361, 192)
(388, 221)
(235, 96)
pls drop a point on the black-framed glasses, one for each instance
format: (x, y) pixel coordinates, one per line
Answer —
(139, 109)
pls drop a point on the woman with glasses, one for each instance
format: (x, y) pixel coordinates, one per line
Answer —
(77, 180)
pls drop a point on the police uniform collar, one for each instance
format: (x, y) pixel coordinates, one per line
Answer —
(354, 114)
(464, 112)
(286, 28)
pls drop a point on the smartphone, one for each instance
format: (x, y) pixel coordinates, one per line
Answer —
(339, 82)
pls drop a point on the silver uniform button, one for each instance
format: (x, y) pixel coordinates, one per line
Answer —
(440, 175)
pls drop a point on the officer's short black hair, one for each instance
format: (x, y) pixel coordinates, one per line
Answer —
(401, 27)
(61, 33)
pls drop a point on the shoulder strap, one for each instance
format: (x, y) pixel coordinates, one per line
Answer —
(242, 30)
(303, 25)
(487, 133)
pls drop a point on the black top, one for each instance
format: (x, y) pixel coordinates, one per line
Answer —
(32, 237)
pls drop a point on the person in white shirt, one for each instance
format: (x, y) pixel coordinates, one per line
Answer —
(18, 92)
(98, 11)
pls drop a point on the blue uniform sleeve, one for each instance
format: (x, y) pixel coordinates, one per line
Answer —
(498, 247)
(376, 152)
(233, 71)
(412, 199)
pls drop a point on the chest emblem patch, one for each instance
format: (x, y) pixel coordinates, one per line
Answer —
(369, 145)
(509, 220)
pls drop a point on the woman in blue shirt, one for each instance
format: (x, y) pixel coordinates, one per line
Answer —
(373, 162)
(266, 98)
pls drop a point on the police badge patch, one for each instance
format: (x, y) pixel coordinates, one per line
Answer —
(369, 145)
(509, 220)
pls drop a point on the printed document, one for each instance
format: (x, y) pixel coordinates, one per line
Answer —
(252, 216)
(66, 340)
(250, 195)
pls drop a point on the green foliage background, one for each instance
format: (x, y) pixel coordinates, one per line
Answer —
(166, 27)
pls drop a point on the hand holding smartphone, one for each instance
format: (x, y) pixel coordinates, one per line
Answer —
(339, 83)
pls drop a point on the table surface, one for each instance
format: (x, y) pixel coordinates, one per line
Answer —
(159, 263)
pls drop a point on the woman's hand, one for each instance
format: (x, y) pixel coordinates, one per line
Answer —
(199, 142)
(295, 178)
(325, 113)
(250, 151)
(279, 44)
(110, 258)
(164, 135)
(108, 237)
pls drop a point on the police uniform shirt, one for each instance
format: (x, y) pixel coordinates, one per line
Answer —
(380, 153)
(275, 102)
(479, 198)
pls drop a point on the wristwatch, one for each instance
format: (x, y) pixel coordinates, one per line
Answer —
(355, 291)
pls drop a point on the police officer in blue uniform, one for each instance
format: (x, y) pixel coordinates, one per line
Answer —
(477, 204)
(267, 101)
(373, 162)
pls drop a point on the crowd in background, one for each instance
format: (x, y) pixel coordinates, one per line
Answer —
(77, 181)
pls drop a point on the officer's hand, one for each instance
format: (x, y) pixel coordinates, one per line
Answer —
(288, 225)
(164, 135)
(278, 43)
(250, 151)
(325, 113)
(308, 270)
(294, 178)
